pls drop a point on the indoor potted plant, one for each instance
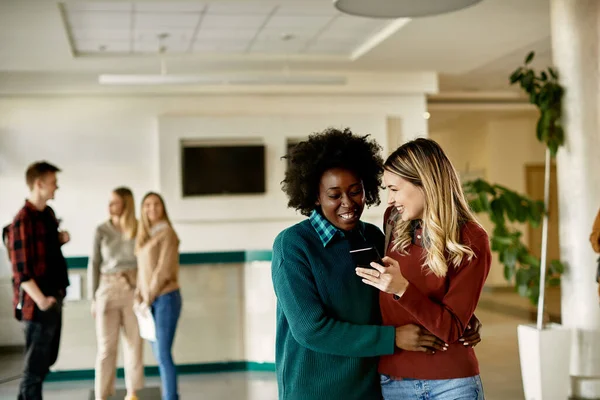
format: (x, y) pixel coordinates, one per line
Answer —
(545, 359)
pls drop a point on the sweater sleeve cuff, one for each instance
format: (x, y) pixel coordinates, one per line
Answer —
(412, 300)
(388, 340)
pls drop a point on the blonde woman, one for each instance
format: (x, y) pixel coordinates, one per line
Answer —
(111, 282)
(157, 247)
(437, 261)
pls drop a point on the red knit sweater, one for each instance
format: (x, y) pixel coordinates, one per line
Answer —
(443, 306)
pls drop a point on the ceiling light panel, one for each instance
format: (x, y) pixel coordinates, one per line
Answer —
(230, 79)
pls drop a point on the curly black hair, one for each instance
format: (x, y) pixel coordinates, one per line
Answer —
(332, 148)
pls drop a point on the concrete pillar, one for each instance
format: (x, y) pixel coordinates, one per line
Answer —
(414, 123)
(575, 45)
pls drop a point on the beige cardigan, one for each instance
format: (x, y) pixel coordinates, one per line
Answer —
(158, 265)
(595, 236)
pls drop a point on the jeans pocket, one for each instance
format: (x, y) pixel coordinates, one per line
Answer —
(478, 387)
(48, 314)
(384, 379)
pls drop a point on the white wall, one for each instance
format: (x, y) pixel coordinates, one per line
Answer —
(496, 146)
(203, 217)
(102, 142)
(5, 267)
(98, 144)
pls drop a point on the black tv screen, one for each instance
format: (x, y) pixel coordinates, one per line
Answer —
(212, 170)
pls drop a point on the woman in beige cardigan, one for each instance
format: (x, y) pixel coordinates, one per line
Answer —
(157, 249)
(595, 241)
(111, 284)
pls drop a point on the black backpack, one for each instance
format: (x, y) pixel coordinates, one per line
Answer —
(5, 235)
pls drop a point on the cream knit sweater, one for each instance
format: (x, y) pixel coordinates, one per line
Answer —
(158, 264)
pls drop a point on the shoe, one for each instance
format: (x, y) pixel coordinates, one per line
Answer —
(131, 398)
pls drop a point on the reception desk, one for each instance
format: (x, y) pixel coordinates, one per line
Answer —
(227, 321)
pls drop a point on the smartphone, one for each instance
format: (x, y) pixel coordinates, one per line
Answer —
(364, 257)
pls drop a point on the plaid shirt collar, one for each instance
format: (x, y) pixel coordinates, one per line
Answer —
(326, 230)
(30, 207)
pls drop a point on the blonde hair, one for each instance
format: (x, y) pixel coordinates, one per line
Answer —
(423, 163)
(127, 220)
(144, 228)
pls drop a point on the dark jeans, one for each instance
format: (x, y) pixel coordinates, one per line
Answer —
(166, 310)
(42, 338)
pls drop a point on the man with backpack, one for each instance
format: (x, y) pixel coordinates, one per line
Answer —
(40, 277)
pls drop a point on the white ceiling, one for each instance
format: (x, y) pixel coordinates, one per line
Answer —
(215, 27)
(473, 49)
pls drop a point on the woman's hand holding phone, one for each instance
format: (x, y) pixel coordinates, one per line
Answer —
(386, 277)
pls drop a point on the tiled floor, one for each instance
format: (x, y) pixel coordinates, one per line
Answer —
(497, 353)
(226, 386)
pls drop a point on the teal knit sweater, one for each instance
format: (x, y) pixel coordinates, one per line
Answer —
(328, 337)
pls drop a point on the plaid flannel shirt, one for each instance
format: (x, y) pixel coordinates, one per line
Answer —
(327, 231)
(27, 246)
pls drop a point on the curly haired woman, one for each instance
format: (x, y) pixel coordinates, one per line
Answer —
(329, 332)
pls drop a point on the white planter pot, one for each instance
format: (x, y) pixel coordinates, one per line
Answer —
(545, 361)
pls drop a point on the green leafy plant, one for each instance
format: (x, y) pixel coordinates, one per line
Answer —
(546, 93)
(505, 208)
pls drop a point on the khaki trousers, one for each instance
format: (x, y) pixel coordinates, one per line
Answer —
(114, 310)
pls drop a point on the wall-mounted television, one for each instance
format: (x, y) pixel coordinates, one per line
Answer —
(222, 169)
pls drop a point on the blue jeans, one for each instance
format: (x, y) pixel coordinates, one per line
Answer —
(422, 389)
(166, 310)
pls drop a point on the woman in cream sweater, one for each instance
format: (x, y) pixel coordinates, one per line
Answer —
(111, 284)
(157, 249)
